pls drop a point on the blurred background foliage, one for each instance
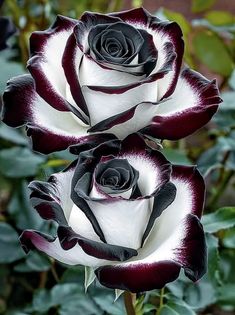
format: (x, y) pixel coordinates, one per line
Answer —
(36, 284)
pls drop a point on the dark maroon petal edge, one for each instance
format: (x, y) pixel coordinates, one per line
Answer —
(37, 42)
(192, 176)
(170, 127)
(192, 256)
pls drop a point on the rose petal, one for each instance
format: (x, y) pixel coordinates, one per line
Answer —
(71, 61)
(51, 130)
(154, 169)
(122, 221)
(46, 66)
(195, 100)
(163, 32)
(118, 104)
(181, 243)
(51, 246)
(187, 250)
(129, 121)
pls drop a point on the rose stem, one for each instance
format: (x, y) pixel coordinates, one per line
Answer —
(128, 300)
(161, 303)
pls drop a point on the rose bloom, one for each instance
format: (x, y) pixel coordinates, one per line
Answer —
(125, 211)
(104, 75)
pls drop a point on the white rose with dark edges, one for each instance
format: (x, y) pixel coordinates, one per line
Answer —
(126, 212)
(105, 75)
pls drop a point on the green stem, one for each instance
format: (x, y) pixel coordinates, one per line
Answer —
(128, 301)
(161, 302)
(221, 188)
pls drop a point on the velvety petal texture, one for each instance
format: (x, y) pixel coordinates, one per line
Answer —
(108, 74)
(124, 210)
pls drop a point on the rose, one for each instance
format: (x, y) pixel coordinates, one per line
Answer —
(126, 212)
(108, 74)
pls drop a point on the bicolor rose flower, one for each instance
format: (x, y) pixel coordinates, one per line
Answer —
(125, 211)
(112, 74)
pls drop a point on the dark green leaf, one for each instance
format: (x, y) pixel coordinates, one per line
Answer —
(223, 218)
(228, 238)
(213, 259)
(34, 262)
(227, 294)
(8, 68)
(176, 156)
(19, 162)
(12, 135)
(200, 294)
(232, 83)
(225, 117)
(211, 51)
(220, 155)
(179, 307)
(10, 248)
(21, 210)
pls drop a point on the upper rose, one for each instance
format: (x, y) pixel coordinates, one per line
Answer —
(126, 212)
(112, 74)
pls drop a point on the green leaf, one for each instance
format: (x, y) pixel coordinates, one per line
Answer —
(227, 266)
(227, 294)
(105, 300)
(34, 262)
(202, 5)
(231, 83)
(12, 135)
(213, 259)
(179, 18)
(19, 162)
(223, 218)
(225, 117)
(167, 310)
(220, 155)
(8, 68)
(21, 210)
(228, 238)
(68, 298)
(179, 307)
(10, 248)
(211, 51)
(219, 18)
(176, 156)
(201, 294)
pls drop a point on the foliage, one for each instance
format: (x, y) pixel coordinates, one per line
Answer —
(35, 284)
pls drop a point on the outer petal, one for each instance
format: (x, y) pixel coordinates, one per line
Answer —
(176, 238)
(192, 105)
(187, 249)
(51, 246)
(50, 129)
(45, 65)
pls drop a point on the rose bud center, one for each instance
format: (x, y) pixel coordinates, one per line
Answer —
(116, 176)
(122, 44)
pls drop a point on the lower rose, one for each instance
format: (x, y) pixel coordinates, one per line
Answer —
(125, 211)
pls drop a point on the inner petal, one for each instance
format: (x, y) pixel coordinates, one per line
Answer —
(123, 221)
